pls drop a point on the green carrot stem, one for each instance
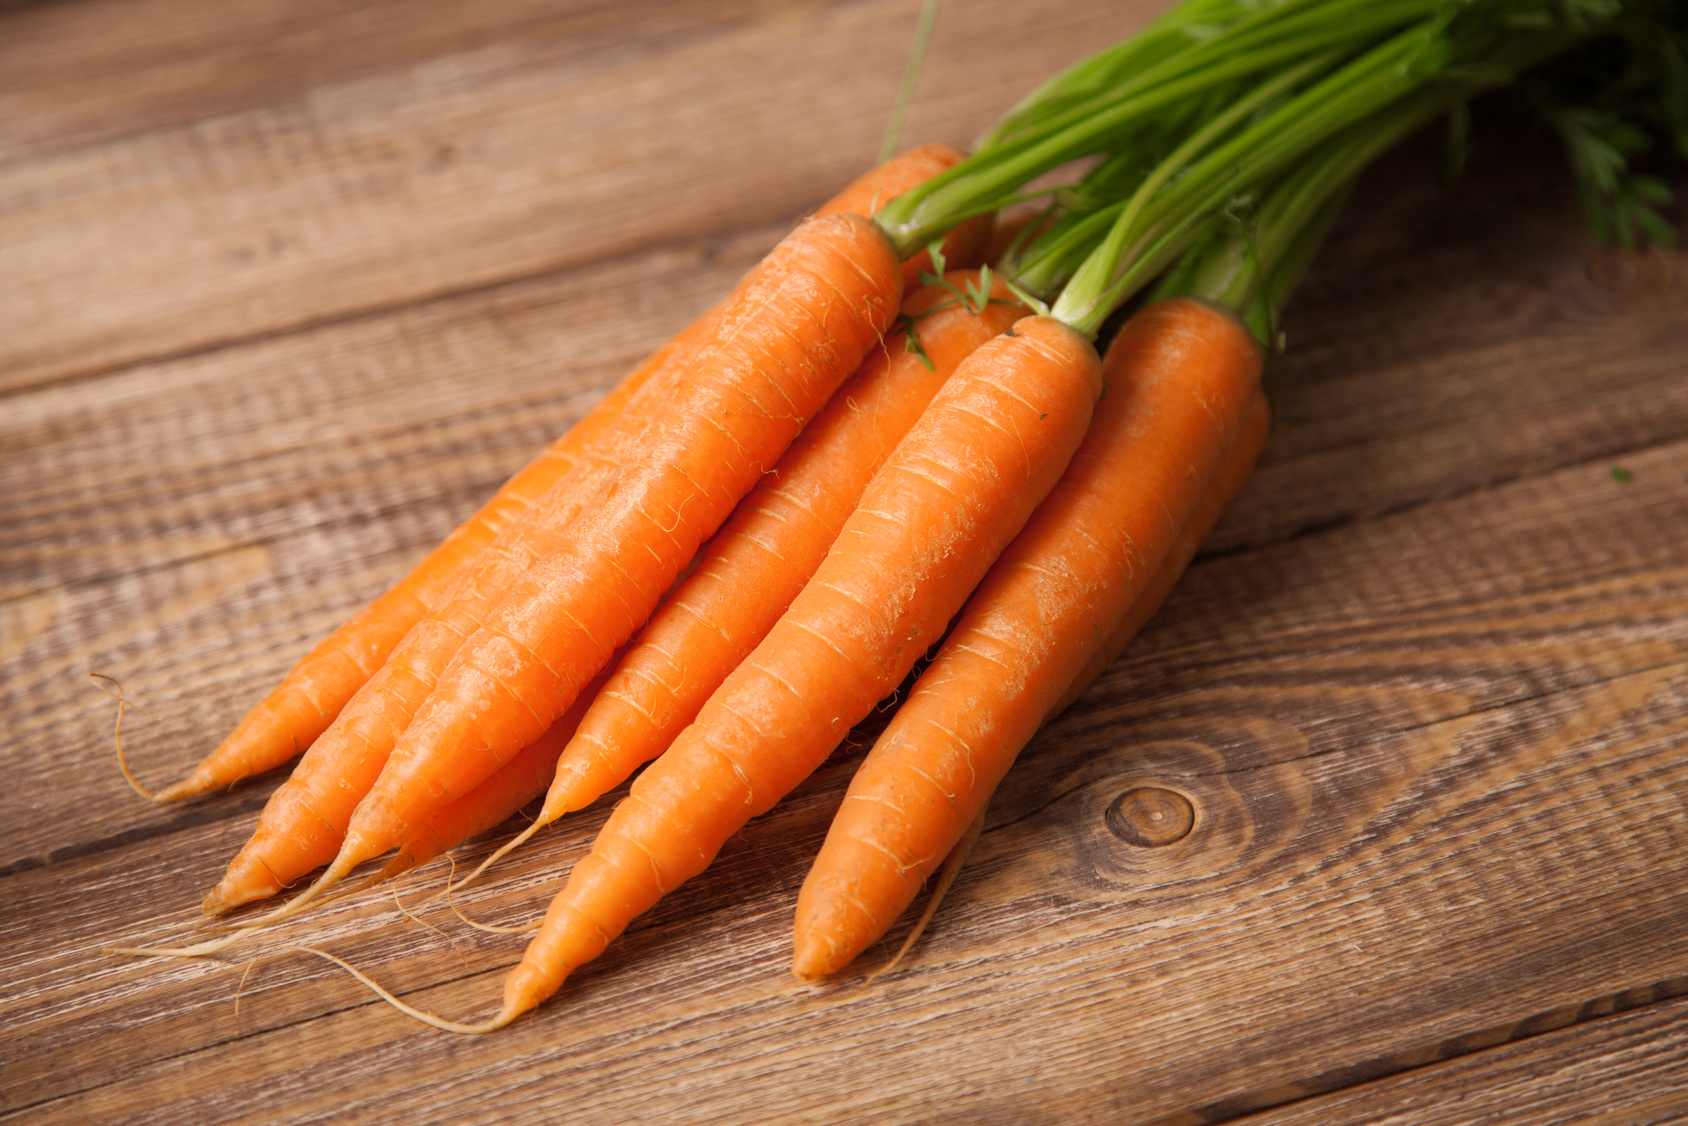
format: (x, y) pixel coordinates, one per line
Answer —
(1173, 30)
(1234, 275)
(1036, 278)
(911, 75)
(1265, 301)
(991, 176)
(1145, 242)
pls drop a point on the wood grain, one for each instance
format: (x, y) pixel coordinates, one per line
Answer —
(1424, 700)
(1359, 877)
(466, 170)
(160, 64)
(344, 422)
(1623, 1068)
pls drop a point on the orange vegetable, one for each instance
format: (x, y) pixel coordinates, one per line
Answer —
(796, 327)
(290, 719)
(760, 559)
(1233, 474)
(954, 492)
(1180, 378)
(303, 825)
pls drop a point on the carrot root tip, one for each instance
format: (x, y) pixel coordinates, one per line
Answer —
(504, 1017)
(115, 691)
(521, 837)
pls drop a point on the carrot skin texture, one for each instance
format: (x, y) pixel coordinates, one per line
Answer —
(1233, 474)
(955, 491)
(1181, 377)
(759, 560)
(303, 826)
(288, 720)
(495, 800)
(799, 325)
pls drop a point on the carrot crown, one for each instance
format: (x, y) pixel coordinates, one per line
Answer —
(1228, 108)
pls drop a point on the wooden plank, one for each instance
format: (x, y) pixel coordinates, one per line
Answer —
(189, 643)
(1427, 708)
(1623, 1068)
(1028, 984)
(81, 73)
(1399, 801)
(475, 168)
(432, 404)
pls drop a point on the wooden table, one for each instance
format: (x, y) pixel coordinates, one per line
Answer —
(287, 289)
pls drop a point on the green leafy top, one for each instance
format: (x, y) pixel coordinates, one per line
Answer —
(1234, 115)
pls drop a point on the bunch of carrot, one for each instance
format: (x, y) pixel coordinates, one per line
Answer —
(750, 542)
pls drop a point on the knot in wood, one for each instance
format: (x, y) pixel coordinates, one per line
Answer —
(1630, 273)
(1150, 817)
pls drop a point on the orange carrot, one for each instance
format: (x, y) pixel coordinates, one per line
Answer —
(290, 719)
(763, 555)
(300, 709)
(1221, 491)
(1233, 474)
(304, 824)
(512, 786)
(800, 323)
(1181, 376)
(956, 490)
(871, 192)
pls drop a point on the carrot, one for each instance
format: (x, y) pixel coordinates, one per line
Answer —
(1181, 376)
(508, 789)
(800, 323)
(290, 718)
(303, 826)
(963, 247)
(760, 559)
(1233, 474)
(955, 491)
(300, 709)
(304, 821)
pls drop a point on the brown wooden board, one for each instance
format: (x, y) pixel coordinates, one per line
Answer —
(1580, 1064)
(1425, 698)
(467, 167)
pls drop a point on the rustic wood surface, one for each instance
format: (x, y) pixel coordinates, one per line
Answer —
(287, 289)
